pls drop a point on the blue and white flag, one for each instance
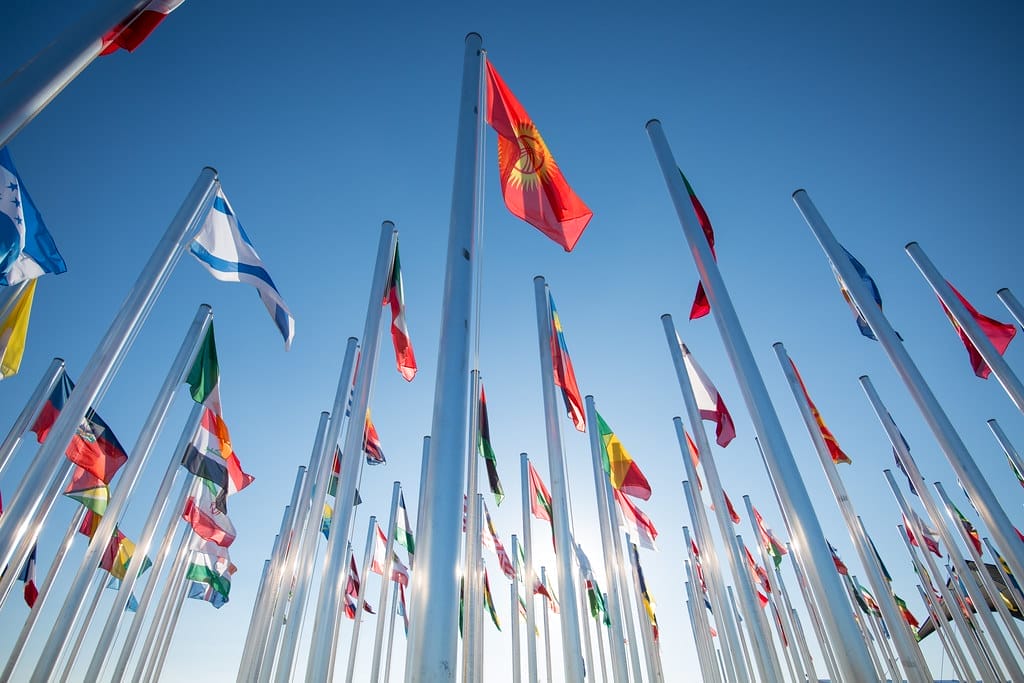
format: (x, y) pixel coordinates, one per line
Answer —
(26, 248)
(228, 253)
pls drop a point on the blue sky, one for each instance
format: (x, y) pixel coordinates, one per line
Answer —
(323, 120)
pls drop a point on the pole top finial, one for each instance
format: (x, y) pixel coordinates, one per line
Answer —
(667, 316)
(798, 191)
(652, 121)
(911, 245)
(473, 35)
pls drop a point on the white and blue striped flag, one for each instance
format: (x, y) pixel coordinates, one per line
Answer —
(26, 248)
(227, 252)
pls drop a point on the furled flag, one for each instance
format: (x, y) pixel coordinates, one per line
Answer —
(972, 533)
(540, 497)
(838, 456)
(380, 547)
(495, 544)
(325, 521)
(872, 288)
(701, 307)
(931, 539)
(774, 547)
(1000, 334)
(709, 401)
(14, 330)
(869, 600)
(395, 297)
(840, 566)
(695, 457)
(885, 571)
(203, 458)
(352, 591)
(371, 443)
(131, 32)
(485, 449)
(89, 490)
(733, 515)
(401, 608)
(403, 529)
(489, 601)
(619, 465)
(635, 521)
(223, 247)
(899, 464)
(759, 577)
(26, 248)
(399, 572)
(28, 577)
(533, 186)
(206, 519)
(905, 612)
(541, 588)
(565, 376)
(644, 594)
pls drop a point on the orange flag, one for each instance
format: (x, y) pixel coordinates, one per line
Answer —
(531, 182)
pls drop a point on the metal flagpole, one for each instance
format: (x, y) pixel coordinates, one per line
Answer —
(38, 399)
(949, 643)
(164, 645)
(616, 646)
(385, 579)
(76, 646)
(646, 631)
(807, 671)
(392, 611)
(598, 623)
(433, 633)
(1012, 304)
(914, 665)
(174, 578)
(547, 626)
(361, 600)
(1011, 453)
(707, 673)
(588, 650)
(827, 651)
(858, 617)
(517, 660)
(959, 457)
(252, 637)
(761, 616)
(744, 646)
(995, 361)
(473, 589)
(700, 624)
(475, 620)
(25, 507)
(805, 528)
(572, 659)
(530, 579)
(623, 583)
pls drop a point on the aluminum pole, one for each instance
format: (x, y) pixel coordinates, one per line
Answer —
(1011, 453)
(385, 579)
(361, 600)
(392, 611)
(517, 659)
(164, 645)
(529, 580)
(588, 650)
(473, 590)
(27, 416)
(76, 646)
(171, 584)
(1012, 304)
(547, 627)
(949, 643)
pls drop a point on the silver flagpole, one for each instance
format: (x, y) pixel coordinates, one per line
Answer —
(473, 589)
(764, 656)
(474, 631)
(827, 651)
(433, 632)
(119, 497)
(959, 457)
(762, 618)
(34, 405)
(392, 611)
(1007, 378)
(385, 579)
(805, 528)
(306, 554)
(333, 582)
(26, 507)
(517, 660)
(914, 665)
(421, 502)
(529, 580)
(252, 653)
(988, 669)
(623, 583)
(588, 650)
(598, 624)
(745, 647)
(700, 624)
(246, 666)
(72, 652)
(1012, 304)
(646, 634)
(725, 619)
(707, 673)
(616, 647)
(29, 89)
(935, 514)
(1011, 580)
(572, 657)
(171, 584)
(808, 670)
(858, 617)
(164, 645)
(361, 600)
(949, 644)
(1004, 442)
(547, 627)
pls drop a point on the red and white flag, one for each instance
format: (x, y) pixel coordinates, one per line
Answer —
(131, 32)
(395, 296)
(636, 522)
(709, 401)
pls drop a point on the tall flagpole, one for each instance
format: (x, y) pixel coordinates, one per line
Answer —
(1004, 442)
(174, 578)
(361, 599)
(473, 589)
(246, 664)
(827, 649)
(585, 625)
(517, 660)
(914, 665)
(698, 615)
(707, 673)
(164, 644)
(572, 657)
(646, 635)
(949, 643)
(40, 395)
(433, 632)
(385, 580)
(995, 361)
(805, 528)
(392, 611)
(25, 507)
(1012, 304)
(623, 584)
(547, 626)
(959, 457)
(804, 652)
(529, 578)
(76, 646)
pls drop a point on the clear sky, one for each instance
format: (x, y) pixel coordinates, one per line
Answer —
(323, 119)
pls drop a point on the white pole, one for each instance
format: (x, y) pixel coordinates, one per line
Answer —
(76, 646)
(171, 585)
(385, 579)
(858, 617)
(600, 630)
(1012, 305)
(473, 589)
(361, 600)
(1011, 453)
(588, 650)
(433, 632)
(27, 416)
(392, 611)
(959, 457)
(547, 628)
(701, 626)
(805, 528)
(246, 666)
(806, 662)
(164, 646)
(620, 577)
(517, 660)
(529, 580)
(827, 651)
(744, 646)
(949, 643)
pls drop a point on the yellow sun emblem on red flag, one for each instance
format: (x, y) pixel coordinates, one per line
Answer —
(526, 163)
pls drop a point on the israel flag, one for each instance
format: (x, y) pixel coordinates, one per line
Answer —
(26, 248)
(227, 252)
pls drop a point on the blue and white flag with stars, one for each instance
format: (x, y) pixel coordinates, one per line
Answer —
(26, 248)
(227, 252)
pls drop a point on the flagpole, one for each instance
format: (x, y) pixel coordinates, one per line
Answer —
(76, 646)
(246, 665)
(547, 625)
(621, 582)
(361, 600)
(803, 658)
(759, 616)
(529, 580)
(588, 650)
(949, 643)
(433, 636)
(325, 634)
(174, 578)
(517, 661)
(472, 549)
(34, 405)
(796, 504)
(744, 647)
(25, 506)
(473, 632)
(995, 361)
(164, 645)
(1012, 304)
(385, 579)
(859, 618)
(598, 623)
(988, 669)
(646, 636)
(959, 457)
(707, 673)
(1004, 442)
(699, 618)
(935, 514)
(616, 647)
(392, 611)
(914, 665)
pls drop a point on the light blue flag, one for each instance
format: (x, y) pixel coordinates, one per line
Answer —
(115, 584)
(26, 248)
(227, 252)
(202, 591)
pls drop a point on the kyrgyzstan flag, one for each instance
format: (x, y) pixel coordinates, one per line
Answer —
(130, 33)
(531, 182)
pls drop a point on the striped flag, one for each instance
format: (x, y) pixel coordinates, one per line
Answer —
(495, 544)
(623, 472)
(28, 577)
(709, 401)
(635, 521)
(486, 450)
(371, 443)
(27, 250)
(931, 538)
(403, 530)
(89, 490)
(206, 519)
(395, 297)
(203, 458)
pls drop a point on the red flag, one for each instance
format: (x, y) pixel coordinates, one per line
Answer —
(371, 443)
(701, 307)
(533, 185)
(732, 511)
(931, 539)
(540, 497)
(636, 522)
(695, 457)
(395, 296)
(1000, 334)
(840, 566)
(838, 456)
(565, 376)
(130, 33)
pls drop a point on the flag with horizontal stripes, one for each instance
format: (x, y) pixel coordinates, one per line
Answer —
(635, 521)
(14, 331)
(395, 297)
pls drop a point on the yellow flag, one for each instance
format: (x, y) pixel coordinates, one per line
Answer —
(13, 331)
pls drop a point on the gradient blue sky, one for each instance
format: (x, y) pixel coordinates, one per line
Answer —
(903, 123)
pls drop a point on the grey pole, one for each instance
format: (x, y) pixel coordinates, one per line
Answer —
(588, 650)
(547, 627)
(76, 645)
(361, 600)
(40, 395)
(529, 580)
(517, 660)
(473, 589)
(392, 611)
(949, 643)
(698, 619)
(171, 585)
(827, 650)
(164, 646)
(385, 579)
(803, 656)
(1012, 304)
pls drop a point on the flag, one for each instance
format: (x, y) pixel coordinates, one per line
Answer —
(709, 401)
(733, 515)
(1016, 472)
(54, 404)
(489, 601)
(352, 592)
(541, 588)
(598, 607)
(622, 470)
(401, 608)
(14, 330)
(701, 307)
(119, 550)
(371, 443)
(89, 490)
(403, 530)
(910, 482)
(840, 566)
(332, 485)
(203, 591)
(869, 600)
(931, 539)
(905, 612)
(132, 605)
(972, 533)
(644, 594)
(395, 296)
(211, 570)
(1000, 334)
(206, 519)
(885, 572)
(90, 522)
(533, 186)
(636, 522)
(774, 547)
(131, 32)
(695, 457)
(204, 458)
(226, 251)
(28, 577)
(26, 248)
(486, 450)
(838, 456)
(872, 288)
(495, 544)
(758, 575)
(380, 547)
(565, 376)
(399, 572)
(540, 498)
(204, 376)
(325, 521)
